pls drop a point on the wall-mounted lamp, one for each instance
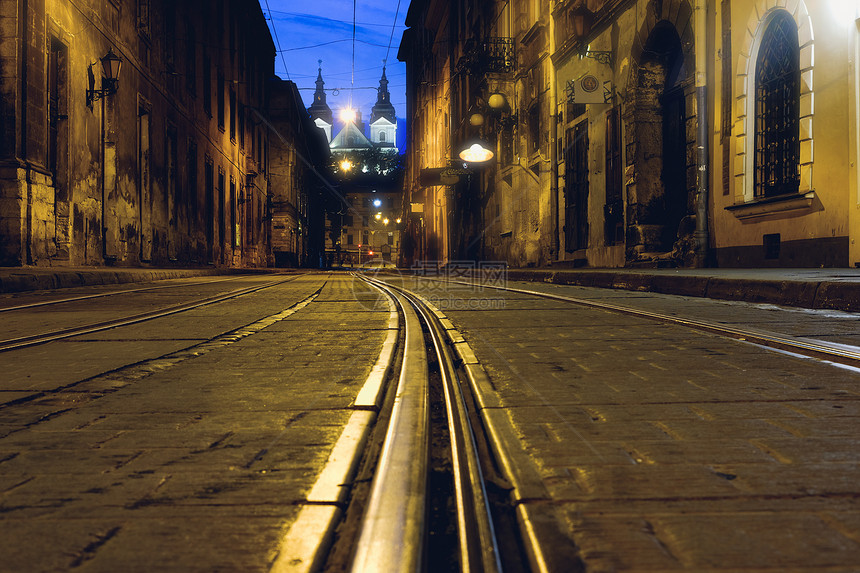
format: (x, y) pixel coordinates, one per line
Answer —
(476, 151)
(583, 20)
(111, 65)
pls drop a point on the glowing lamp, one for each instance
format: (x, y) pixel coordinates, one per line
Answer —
(476, 153)
(497, 101)
(347, 115)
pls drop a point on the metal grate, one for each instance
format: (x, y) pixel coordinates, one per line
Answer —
(777, 128)
(493, 55)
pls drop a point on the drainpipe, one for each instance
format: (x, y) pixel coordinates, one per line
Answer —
(701, 23)
(553, 154)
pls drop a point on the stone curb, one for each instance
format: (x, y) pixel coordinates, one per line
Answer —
(809, 293)
(20, 280)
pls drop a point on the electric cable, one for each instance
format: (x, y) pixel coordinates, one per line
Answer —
(277, 40)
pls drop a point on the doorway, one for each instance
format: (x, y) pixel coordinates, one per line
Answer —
(576, 187)
(660, 124)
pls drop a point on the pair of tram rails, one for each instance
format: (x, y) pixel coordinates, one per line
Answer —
(427, 474)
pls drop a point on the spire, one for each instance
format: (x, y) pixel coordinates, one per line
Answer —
(320, 109)
(383, 107)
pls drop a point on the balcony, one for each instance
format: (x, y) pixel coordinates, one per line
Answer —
(492, 55)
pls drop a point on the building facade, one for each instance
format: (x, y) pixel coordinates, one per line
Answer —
(299, 181)
(165, 165)
(635, 132)
(365, 222)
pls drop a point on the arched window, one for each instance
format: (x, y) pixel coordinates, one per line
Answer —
(350, 141)
(777, 109)
(381, 137)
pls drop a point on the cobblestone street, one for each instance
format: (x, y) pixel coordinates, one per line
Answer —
(192, 441)
(666, 449)
(179, 445)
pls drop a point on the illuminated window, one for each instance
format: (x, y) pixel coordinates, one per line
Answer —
(777, 107)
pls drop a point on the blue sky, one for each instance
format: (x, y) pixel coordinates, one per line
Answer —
(311, 30)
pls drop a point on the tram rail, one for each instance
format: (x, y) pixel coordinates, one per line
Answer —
(59, 334)
(818, 349)
(78, 298)
(394, 525)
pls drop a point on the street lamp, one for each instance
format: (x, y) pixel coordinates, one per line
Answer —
(476, 151)
(583, 20)
(111, 66)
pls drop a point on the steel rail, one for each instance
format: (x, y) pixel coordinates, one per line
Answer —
(45, 337)
(107, 294)
(841, 354)
(393, 526)
(475, 531)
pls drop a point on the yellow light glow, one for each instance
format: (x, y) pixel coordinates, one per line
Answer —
(476, 153)
(346, 165)
(398, 220)
(347, 114)
(385, 221)
(378, 216)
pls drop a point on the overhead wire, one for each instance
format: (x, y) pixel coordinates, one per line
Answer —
(391, 37)
(277, 40)
(352, 81)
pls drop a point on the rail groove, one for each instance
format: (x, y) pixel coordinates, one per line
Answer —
(841, 354)
(42, 338)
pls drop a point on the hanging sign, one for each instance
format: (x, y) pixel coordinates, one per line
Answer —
(588, 89)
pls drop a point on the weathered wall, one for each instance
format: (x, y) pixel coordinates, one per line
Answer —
(120, 181)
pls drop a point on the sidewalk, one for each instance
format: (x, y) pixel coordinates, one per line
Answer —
(837, 289)
(18, 279)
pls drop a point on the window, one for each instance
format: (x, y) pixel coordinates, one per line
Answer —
(191, 166)
(170, 36)
(190, 58)
(143, 16)
(241, 113)
(234, 226)
(219, 90)
(349, 239)
(777, 108)
(207, 85)
(232, 115)
(534, 127)
(381, 137)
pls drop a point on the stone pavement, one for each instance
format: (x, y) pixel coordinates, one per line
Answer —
(808, 288)
(667, 449)
(18, 279)
(182, 445)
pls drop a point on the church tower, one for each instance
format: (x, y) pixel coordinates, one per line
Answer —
(383, 121)
(320, 111)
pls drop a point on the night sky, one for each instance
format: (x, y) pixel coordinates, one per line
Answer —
(311, 30)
